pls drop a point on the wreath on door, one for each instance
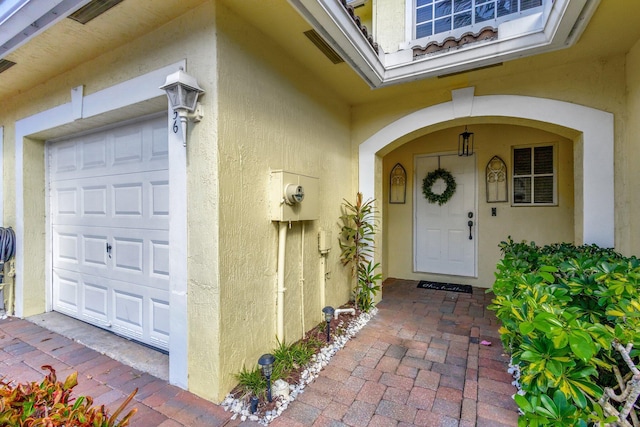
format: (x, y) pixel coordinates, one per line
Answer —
(431, 178)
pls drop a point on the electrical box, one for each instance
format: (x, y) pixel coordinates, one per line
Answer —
(324, 241)
(294, 197)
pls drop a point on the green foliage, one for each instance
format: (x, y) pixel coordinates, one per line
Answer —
(288, 358)
(561, 308)
(357, 248)
(367, 287)
(292, 357)
(49, 403)
(252, 383)
(431, 178)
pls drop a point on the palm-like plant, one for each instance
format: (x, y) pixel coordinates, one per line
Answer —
(357, 247)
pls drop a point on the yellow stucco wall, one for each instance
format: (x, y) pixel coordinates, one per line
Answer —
(542, 224)
(260, 115)
(271, 118)
(388, 21)
(191, 36)
(266, 111)
(148, 53)
(629, 222)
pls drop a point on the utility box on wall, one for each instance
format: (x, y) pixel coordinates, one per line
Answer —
(294, 197)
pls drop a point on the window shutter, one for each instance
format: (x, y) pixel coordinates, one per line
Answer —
(533, 175)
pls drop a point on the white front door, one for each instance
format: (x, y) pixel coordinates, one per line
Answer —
(443, 241)
(110, 229)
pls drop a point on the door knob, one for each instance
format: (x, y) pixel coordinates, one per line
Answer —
(470, 224)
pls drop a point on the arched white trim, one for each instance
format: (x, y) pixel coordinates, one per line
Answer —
(594, 126)
(111, 99)
(2, 176)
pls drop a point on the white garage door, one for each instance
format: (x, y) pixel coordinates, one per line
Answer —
(110, 228)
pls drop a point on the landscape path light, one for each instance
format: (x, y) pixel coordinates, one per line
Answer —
(328, 314)
(266, 363)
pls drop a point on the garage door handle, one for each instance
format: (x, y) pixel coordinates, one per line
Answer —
(109, 249)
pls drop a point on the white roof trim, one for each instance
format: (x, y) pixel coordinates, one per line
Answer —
(559, 26)
(29, 18)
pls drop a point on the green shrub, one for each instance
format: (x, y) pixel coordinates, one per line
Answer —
(49, 403)
(562, 309)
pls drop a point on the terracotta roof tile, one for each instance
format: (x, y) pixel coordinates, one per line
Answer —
(487, 33)
(356, 20)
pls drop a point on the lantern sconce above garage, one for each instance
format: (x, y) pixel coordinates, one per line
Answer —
(183, 91)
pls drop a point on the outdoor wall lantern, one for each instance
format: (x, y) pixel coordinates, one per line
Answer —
(328, 314)
(266, 363)
(465, 143)
(183, 91)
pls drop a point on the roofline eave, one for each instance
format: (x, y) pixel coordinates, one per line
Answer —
(561, 26)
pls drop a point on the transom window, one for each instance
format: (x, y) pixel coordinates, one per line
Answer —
(440, 16)
(534, 175)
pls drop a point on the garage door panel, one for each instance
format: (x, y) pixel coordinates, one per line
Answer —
(66, 158)
(159, 146)
(135, 197)
(127, 200)
(94, 200)
(96, 298)
(68, 247)
(128, 310)
(67, 290)
(159, 313)
(141, 256)
(138, 200)
(65, 201)
(128, 147)
(109, 204)
(112, 152)
(136, 256)
(94, 250)
(79, 249)
(160, 199)
(128, 255)
(159, 257)
(93, 152)
(141, 313)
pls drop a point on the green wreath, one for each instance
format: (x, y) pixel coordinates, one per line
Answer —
(431, 178)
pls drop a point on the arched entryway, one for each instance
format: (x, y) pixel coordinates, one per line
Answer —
(587, 132)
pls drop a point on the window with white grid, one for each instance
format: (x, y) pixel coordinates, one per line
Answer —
(534, 175)
(441, 16)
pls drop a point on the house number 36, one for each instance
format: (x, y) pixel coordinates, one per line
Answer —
(175, 122)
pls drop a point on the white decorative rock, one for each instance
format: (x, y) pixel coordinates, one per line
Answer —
(317, 363)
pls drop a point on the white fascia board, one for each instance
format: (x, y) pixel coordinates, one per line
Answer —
(556, 27)
(466, 58)
(564, 17)
(333, 23)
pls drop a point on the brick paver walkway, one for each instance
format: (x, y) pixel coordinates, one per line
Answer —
(417, 362)
(25, 347)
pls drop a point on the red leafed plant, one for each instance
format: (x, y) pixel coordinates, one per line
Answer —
(50, 404)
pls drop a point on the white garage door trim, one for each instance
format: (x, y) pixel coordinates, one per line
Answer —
(115, 98)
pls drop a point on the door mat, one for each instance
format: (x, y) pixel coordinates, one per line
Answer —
(445, 286)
